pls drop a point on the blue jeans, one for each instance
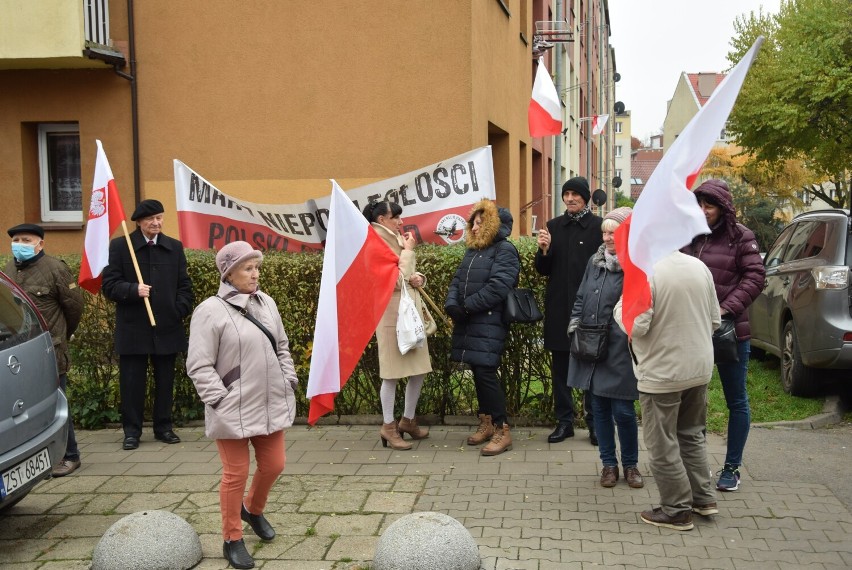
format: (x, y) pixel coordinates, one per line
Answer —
(733, 376)
(610, 412)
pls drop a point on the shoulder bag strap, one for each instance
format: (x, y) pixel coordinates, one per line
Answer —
(257, 323)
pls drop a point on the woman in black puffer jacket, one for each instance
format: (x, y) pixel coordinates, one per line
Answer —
(486, 275)
(732, 255)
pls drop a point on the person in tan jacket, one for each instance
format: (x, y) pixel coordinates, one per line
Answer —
(386, 218)
(672, 349)
(239, 360)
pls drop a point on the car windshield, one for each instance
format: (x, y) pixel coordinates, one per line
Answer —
(18, 321)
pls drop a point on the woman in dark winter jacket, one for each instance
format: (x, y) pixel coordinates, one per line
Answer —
(611, 379)
(731, 253)
(488, 271)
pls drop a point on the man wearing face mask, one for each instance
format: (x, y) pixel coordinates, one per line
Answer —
(53, 289)
(167, 286)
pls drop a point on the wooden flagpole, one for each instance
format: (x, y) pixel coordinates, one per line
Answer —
(138, 272)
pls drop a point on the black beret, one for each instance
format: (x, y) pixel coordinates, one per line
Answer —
(579, 185)
(26, 229)
(147, 208)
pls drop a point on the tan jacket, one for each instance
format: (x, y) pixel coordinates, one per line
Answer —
(248, 388)
(672, 341)
(392, 363)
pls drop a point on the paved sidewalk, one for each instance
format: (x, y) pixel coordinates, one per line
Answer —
(536, 507)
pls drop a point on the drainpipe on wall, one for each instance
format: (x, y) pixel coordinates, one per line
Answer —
(134, 106)
(557, 146)
(587, 124)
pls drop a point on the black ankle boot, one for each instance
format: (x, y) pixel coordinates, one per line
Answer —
(236, 554)
(258, 524)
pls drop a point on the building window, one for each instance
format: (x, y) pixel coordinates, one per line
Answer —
(59, 172)
(618, 151)
(618, 172)
(618, 127)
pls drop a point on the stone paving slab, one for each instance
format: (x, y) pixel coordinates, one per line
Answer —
(537, 507)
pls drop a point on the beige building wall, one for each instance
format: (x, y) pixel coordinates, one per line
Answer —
(682, 107)
(269, 99)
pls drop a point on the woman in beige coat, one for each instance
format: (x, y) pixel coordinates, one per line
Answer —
(239, 360)
(386, 219)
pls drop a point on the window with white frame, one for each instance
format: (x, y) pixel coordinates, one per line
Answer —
(618, 151)
(618, 127)
(618, 172)
(59, 172)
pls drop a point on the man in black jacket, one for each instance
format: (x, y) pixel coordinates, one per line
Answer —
(167, 286)
(565, 247)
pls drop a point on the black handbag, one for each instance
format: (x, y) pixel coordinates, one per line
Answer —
(725, 342)
(589, 342)
(520, 307)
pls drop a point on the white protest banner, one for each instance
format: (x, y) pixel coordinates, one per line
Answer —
(435, 200)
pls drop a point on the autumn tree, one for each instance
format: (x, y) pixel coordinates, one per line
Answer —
(796, 103)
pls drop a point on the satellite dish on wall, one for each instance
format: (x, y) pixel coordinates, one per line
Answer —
(616, 182)
(619, 107)
(616, 77)
(599, 197)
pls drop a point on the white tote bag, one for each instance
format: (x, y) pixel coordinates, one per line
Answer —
(410, 332)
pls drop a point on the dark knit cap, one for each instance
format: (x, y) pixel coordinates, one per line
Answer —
(147, 208)
(26, 229)
(579, 185)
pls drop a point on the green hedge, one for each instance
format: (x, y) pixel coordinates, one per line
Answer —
(293, 280)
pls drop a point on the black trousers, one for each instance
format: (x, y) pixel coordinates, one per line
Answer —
(492, 400)
(562, 396)
(133, 377)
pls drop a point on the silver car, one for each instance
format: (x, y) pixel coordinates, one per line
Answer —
(33, 410)
(804, 314)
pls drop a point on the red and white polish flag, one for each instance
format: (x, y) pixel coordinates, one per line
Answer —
(359, 273)
(598, 123)
(667, 216)
(105, 215)
(545, 111)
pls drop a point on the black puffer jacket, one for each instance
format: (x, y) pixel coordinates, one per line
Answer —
(488, 271)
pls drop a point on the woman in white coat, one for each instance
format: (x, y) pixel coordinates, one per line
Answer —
(239, 360)
(386, 219)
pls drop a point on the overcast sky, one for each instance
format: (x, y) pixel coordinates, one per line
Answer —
(656, 40)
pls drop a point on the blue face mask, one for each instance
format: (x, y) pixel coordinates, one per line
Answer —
(23, 252)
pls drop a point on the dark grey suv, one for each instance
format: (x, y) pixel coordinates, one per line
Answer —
(804, 314)
(33, 410)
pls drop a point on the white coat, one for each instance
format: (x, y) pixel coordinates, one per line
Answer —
(247, 387)
(392, 363)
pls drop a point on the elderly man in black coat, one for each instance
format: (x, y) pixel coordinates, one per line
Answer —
(167, 286)
(565, 247)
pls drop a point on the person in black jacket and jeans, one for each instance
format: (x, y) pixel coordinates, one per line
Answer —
(564, 248)
(478, 291)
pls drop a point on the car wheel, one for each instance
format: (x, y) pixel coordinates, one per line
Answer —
(796, 378)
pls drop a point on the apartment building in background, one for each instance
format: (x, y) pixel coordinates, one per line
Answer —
(271, 98)
(623, 152)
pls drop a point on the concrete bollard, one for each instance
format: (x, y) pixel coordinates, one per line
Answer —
(426, 541)
(146, 540)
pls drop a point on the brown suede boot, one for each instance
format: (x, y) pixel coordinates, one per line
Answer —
(410, 427)
(390, 435)
(501, 441)
(483, 432)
